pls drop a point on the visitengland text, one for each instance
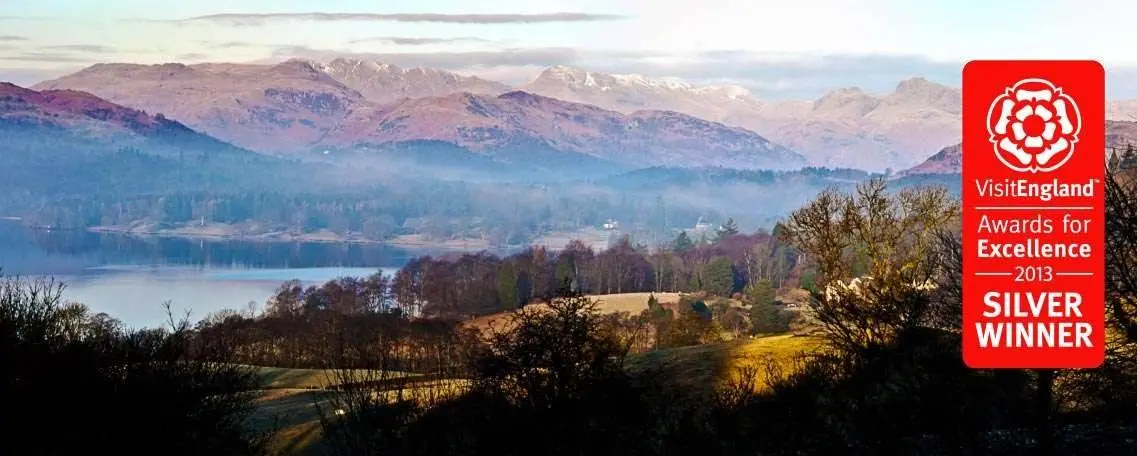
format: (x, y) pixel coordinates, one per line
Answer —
(1028, 188)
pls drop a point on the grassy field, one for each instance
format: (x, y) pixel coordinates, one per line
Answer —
(632, 303)
(289, 405)
(712, 366)
(291, 408)
(284, 378)
(294, 417)
(591, 237)
(294, 413)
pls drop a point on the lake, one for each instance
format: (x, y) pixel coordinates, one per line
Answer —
(130, 277)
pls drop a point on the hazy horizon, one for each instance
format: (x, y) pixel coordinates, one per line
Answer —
(758, 45)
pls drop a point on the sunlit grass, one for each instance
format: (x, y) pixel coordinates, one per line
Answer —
(293, 411)
(712, 366)
(632, 303)
(280, 377)
(701, 368)
(777, 352)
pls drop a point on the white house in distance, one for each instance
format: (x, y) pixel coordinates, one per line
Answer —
(701, 228)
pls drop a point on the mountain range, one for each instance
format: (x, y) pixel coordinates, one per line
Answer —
(298, 107)
(847, 127)
(177, 141)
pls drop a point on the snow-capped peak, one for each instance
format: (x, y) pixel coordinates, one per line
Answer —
(730, 91)
(640, 80)
(346, 65)
(581, 79)
(566, 74)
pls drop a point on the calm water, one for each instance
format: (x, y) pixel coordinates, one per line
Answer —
(130, 277)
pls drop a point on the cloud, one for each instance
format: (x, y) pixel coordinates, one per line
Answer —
(11, 38)
(419, 41)
(49, 57)
(443, 60)
(87, 48)
(251, 19)
(29, 77)
(192, 56)
(218, 45)
(233, 44)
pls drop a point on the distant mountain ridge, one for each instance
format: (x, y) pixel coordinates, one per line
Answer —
(259, 107)
(63, 143)
(384, 82)
(93, 119)
(634, 92)
(844, 128)
(297, 107)
(515, 120)
(291, 106)
(949, 160)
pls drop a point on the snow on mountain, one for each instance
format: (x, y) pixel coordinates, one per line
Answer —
(299, 106)
(631, 92)
(384, 82)
(845, 128)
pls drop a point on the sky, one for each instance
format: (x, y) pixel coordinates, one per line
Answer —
(777, 49)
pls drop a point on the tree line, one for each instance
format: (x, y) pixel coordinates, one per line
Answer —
(421, 306)
(473, 284)
(501, 214)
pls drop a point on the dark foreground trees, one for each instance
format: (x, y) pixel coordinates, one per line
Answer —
(894, 382)
(551, 381)
(76, 383)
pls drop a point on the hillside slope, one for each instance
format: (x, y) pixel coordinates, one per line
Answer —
(299, 107)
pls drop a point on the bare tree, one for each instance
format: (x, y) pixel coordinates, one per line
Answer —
(895, 237)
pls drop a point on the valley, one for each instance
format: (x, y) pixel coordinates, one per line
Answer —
(171, 181)
(255, 234)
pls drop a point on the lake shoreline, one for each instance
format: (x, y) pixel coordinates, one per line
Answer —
(129, 274)
(224, 233)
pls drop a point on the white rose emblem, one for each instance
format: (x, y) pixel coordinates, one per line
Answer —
(1034, 126)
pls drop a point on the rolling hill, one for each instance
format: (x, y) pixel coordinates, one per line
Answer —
(65, 142)
(268, 108)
